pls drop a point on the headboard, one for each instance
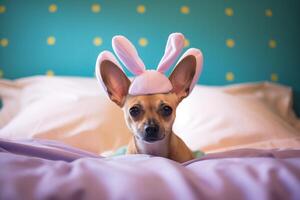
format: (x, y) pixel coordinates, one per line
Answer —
(241, 41)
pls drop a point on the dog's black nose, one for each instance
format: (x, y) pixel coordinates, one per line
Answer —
(151, 132)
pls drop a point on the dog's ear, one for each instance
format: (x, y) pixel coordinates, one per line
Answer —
(186, 73)
(182, 76)
(110, 75)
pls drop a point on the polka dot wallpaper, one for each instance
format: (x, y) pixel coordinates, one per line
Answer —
(242, 41)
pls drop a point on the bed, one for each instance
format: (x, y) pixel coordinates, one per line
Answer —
(58, 134)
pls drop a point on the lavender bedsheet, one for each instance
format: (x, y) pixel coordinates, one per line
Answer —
(48, 170)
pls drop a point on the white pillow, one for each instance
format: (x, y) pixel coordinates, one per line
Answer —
(76, 112)
(72, 110)
(239, 116)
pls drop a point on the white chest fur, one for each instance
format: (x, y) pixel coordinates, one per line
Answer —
(158, 148)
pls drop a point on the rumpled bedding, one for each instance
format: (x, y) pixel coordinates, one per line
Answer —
(38, 169)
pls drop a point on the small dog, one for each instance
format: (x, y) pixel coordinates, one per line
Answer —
(150, 115)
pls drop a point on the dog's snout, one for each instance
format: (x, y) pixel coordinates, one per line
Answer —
(151, 132)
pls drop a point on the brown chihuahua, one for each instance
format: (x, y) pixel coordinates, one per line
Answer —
(150, 117)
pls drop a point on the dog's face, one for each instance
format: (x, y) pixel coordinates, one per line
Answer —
(151, 117)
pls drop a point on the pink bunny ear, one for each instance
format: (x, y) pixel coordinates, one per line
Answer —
(128, 54)
(174, 46)
(199, 62)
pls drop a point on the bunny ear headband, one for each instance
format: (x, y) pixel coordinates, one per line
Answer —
(149, 81)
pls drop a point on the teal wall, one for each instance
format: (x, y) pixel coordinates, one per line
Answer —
(265, 34)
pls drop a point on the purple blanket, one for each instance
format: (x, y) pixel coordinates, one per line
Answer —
(48, 170)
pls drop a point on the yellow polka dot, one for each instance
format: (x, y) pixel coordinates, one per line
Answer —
(96, 8)
(4, 42)
(143, 42)
(51, 40)
(229, 76)
(97, 41)
(268, 13)
(274, 77)
(272, 44)
(141, 9)
(185, 10)
(229, 12)
(1, 73)
(50, 73)
(52, 8)
(186, 43)
(230, 43)
(2, 9)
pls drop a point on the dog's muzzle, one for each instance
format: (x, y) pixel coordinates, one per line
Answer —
(152, 133)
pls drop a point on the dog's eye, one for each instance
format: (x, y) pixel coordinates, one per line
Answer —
(134, 111)
(166, 111)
